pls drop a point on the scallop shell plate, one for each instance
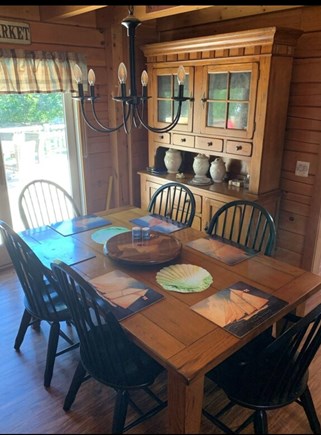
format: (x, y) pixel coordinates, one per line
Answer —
(184, 278)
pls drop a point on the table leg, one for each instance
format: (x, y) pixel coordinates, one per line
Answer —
(184, 404)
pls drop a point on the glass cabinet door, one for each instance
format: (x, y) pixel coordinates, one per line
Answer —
(228, 100)
(165, 86)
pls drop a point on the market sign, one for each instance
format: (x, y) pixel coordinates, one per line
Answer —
(13, 32)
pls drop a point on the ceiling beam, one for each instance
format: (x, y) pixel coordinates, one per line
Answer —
(144, 13)
(49, 13)
(217, 13)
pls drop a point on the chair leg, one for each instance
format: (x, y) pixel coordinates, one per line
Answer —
(51, 352)
(260, 422)
(78, 378)
(120, 411)
(25, 322)
(307, 403)
(36, 324)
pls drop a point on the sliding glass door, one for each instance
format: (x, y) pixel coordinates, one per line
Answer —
(38, 140)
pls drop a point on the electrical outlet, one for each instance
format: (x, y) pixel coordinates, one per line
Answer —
(302, 169)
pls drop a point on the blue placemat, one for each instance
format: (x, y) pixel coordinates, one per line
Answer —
(79, 224)
(158, 223)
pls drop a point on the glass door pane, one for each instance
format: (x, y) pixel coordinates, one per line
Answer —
(34, 145)
(228, 98)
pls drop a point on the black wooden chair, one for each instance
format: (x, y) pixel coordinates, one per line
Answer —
(271, 374)
(42, 202)
(106, 352)
(42, 301)
(174, 201)
(245, 223)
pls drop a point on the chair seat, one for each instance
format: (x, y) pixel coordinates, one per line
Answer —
(56, 310)
(245, 383)
(132, 375)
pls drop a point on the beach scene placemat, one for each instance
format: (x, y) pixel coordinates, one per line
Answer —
(239, 308)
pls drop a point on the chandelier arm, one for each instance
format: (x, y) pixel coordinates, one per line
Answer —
(126, 117)
(136, 120)
(90, 125)
(162, 129)
(108, 129)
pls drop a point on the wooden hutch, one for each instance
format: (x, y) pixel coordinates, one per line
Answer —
(239, 88)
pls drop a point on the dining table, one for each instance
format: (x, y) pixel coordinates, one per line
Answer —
(186, 343)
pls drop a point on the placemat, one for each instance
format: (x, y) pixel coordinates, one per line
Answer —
(79, 224)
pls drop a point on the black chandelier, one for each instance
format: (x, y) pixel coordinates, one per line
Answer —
(133, 105)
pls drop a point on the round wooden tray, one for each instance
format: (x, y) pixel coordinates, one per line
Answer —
(160, 248)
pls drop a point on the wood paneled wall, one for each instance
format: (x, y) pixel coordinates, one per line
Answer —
(104, 42)
(301, 196)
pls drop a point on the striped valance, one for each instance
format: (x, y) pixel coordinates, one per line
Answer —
(25, 71)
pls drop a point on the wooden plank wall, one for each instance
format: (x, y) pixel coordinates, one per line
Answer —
(130, 153)
(300, 209)
(121, 156)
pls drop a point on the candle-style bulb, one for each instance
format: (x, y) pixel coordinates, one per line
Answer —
(77, 73)
(144, 78)
(122, 73)
(91, 77)
(181, 75)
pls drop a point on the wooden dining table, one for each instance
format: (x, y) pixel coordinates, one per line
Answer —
(186, 343)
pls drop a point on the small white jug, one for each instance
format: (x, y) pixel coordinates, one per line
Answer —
(172, 160)
(200, 165)
(218, 170)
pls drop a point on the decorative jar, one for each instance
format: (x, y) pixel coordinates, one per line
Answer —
(201, 165)
(172, 160)
(218, 170)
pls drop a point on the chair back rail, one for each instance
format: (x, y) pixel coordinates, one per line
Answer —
(174, 201)
(42, 202)
(246, 223)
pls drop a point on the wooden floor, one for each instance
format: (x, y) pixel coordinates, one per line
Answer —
(26, 407)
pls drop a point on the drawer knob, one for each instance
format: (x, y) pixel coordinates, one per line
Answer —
(210, 144)
(238, 147)
(183, 139)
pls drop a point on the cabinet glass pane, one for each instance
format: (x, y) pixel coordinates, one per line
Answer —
(164, 86)
(237, 116)
(217, 86)
(240, 86)
(184, 112)
(216, 115)
(164, 111)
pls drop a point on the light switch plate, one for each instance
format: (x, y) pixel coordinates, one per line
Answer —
(302, 169)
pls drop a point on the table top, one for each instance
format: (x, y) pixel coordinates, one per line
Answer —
(174, 334)
(181, 339)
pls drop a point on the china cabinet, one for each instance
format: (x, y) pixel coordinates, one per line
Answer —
(238, 84)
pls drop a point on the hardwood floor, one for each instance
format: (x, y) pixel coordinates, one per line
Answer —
(27, 407)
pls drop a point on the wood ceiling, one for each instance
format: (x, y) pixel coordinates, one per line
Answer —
(222, 12)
